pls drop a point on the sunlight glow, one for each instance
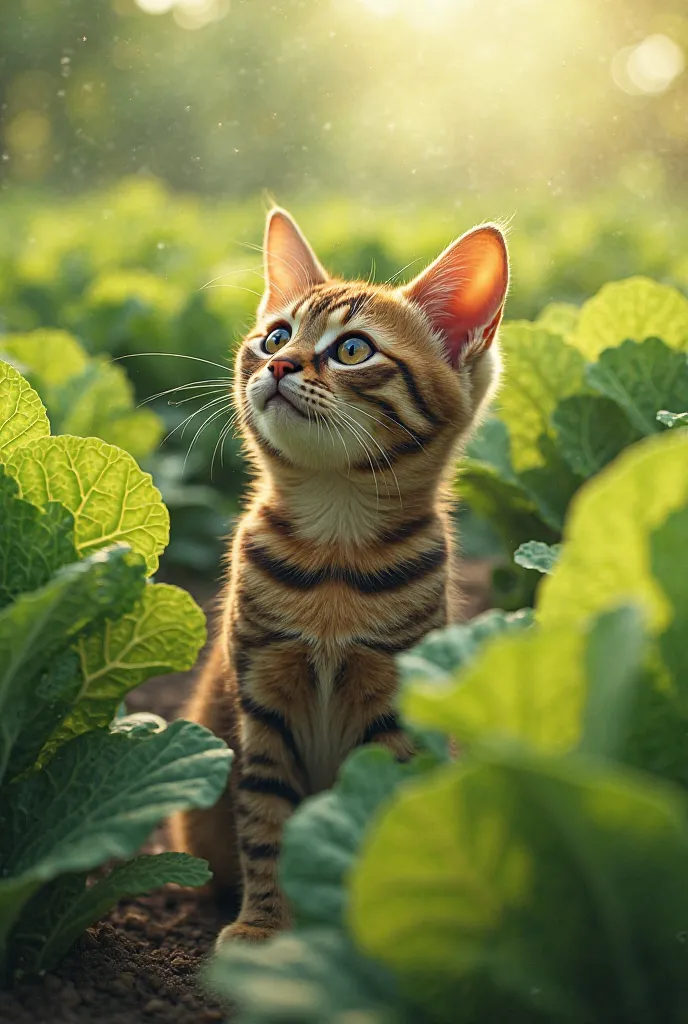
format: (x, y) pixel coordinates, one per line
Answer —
(429, 14)
(648, 68)
(155, 6)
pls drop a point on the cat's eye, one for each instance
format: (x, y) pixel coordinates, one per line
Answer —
(276, 339)
(353, 350)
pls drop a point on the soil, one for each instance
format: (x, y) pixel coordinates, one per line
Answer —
(141, 963)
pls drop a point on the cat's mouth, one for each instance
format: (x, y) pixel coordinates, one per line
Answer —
(280, 401)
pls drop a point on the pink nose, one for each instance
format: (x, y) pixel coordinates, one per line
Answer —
(279, 367)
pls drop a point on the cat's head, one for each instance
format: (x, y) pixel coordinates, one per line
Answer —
(342, 374)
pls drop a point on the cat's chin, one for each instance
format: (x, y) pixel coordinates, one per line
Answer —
(302, 442)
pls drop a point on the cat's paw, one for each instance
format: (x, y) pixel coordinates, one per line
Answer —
(243, 933)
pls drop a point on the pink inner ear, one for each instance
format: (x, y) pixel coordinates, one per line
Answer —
(291, 266)
(463, 292)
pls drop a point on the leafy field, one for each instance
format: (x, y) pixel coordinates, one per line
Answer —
(139, 269)
(539, 878)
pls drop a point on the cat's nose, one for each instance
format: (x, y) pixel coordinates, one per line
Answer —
(279, 367)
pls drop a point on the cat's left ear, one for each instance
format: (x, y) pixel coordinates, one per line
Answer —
(291, 266)
(463, 292)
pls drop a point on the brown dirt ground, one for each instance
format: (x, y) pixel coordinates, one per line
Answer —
(141, 962)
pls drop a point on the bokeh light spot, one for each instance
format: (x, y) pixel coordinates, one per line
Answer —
(648, 68)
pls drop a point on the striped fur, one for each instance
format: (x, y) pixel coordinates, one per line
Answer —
(344, 555)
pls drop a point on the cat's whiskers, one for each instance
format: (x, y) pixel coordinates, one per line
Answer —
(230, 273)
(413, 437)
(336, 414)
(213, 416)
(171, 355)
(182, 426)
(382, 452)
(219, 444)
(346, 450)
(211, 381)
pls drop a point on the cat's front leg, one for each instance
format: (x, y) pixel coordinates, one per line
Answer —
(269, 787)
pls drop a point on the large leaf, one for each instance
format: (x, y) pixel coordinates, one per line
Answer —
(315, 976)
(529, 686)
(443, 651)
(562, 884)
(22, 414)
(60, 911)
(605, 559)
(669, 560)
(591, 431)
(99, 797)
(642, 378)
(34, 543)
(110, 498)
(321, 841)
(541, 370)
(40, 625)
(162, 633)
(634, 309)
(613, 662)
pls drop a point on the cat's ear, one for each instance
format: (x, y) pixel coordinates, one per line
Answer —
(291, 266)
(463, 292)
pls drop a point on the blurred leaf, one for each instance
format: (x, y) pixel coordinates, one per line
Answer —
(63, 909)
(559, 883)
(635, 309)
(22, 415)
(642, 378)
(591, 431)
(672, 419)
(100, 403)
(110, 497)
(542, 369)
(491, 445)
(322, 839)
(551, 485)
(606, 555)
(314, 976)
(47, 356)
(529, 686)
(536, 555)
(669, 561)
(614, 656)
(559, 318)
(139, 432)
(443, 651)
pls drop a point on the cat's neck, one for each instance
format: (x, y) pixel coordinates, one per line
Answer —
(332, 508)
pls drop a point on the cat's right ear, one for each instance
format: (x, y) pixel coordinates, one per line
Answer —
(463, 292)
(291, 266)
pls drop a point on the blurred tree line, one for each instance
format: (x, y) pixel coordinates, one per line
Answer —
(369, 98)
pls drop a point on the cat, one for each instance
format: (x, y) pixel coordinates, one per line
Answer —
(353, 400)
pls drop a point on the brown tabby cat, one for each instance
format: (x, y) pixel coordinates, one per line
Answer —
(352, 399)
